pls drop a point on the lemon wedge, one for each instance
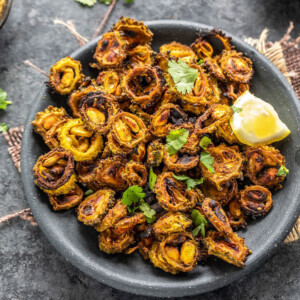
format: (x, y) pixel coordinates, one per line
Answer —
(255, 122)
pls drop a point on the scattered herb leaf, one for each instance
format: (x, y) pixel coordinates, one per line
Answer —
(183, 76)
(190, 182)
(3, 101)
(236, 109)
(200, 61)
(87, 2)
(208, 161)
(132, 195)
(283, 171)
(199, 221)
(152, 179)
(205, 141)
(89, 192)
(176, 140)
(4, 127)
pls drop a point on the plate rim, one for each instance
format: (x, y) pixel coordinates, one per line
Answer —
(138, 287)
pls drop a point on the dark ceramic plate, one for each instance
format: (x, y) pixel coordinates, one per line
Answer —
(78, 243)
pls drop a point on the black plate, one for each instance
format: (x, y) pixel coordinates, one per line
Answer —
(78, 243)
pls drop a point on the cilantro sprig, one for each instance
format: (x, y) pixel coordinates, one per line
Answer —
(152, 179)
(3, 127)
(176, 140)
(200, 61)
(236, 109)
(208, 161)
(205, 141)
(283, 171)
(183, 76)
(3, 100)
(190, 182)
(199, 221)
(133, 198)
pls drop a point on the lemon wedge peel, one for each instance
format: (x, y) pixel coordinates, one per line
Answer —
(257, 123)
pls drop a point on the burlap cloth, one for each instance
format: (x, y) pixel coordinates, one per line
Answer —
(285, 55)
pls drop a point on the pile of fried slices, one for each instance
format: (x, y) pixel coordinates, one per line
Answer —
(148, 155)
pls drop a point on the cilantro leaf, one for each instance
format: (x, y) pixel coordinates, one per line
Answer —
(176, 140)
(128, 1)
(87, 2)
(205, 141)
(4, 127)
(283, 171)
(148, 211)
(200, 61)
(89, 192)
(132, 195)
(199, 221)
(152, 179)
(236, 109)
(183, 76)
(3, 102)
(207, 160)
(190, 182)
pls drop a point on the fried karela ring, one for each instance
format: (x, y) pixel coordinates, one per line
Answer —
(134, 32)
(65, 75)
(219, 35)
(231, 248)
(216, 115)
(155, 153)
(229, 190)
(172, 194)
(94, 207)
(54, 172)
(128, 129)
(111, 50)
(262, 166)
(144, 85)
(141, 55)
(138, 153)
(171, 223)
(202, 48)
(227, 165)
(135, 174)
(204, 93)
(75, 98)
(98, 110)
(167, 118)
(128, 223)
(214, 212)
(256, 200)
(178, 51)
(109, 173)
(236, 67)
(236, 89)
(115, 214)
(213, 66)
(84, 144)
(48, 122)
(180, 162)
(225, 133)
(176, 253)
(235, 214)
(86, 171)
(66, 201)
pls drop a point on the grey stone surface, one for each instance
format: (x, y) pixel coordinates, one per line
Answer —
(29, 266)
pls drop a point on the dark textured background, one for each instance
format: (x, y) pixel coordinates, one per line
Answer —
(29, 266)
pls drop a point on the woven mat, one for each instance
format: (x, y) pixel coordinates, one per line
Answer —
(284, 54)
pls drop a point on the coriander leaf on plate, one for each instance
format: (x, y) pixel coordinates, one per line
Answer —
(205, 141)
(236, 109)
(199, 221)
(152, 179)
(208, 161)
(176, 140)
(89, 192)
(190, 182)
(132, 195)
(283, 171)
(87, 2)
(183, 76)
